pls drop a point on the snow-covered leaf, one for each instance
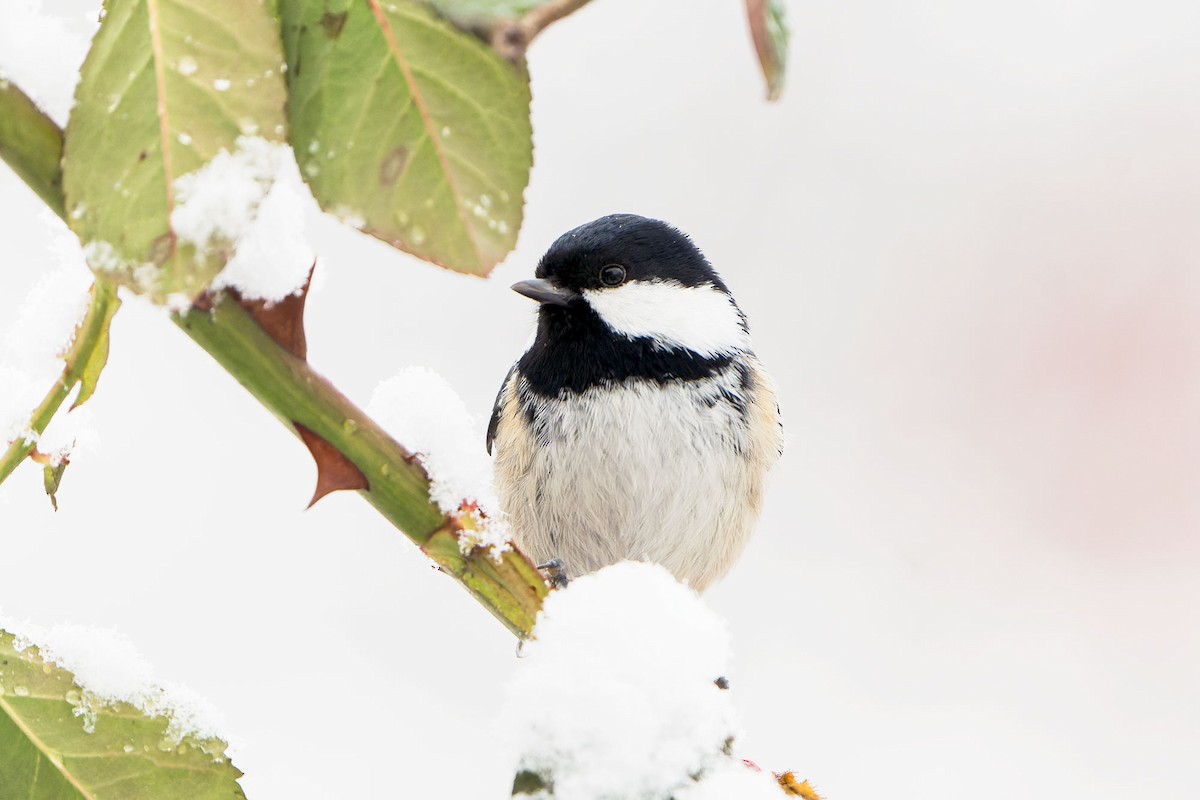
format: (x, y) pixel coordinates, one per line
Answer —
(408, 128)
(58, 741)
(167, 86)
(769, 30)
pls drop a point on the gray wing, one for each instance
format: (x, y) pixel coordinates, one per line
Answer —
(494, 423)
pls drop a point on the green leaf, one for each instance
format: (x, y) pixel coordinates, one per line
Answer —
(57, 742)
(168, 84)
(91, 360)
(51, 478)
(412, 129)
(769, 30)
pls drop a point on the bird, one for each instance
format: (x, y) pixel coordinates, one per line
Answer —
(639, 424)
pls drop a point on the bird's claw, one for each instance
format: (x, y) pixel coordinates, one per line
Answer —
(555, 572)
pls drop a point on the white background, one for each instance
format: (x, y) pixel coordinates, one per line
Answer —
(967, 243)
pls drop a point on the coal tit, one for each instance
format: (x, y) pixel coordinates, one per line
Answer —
(639, 424)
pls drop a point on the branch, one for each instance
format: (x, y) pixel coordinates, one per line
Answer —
(510, 587)
(511, 39)
(31, 143)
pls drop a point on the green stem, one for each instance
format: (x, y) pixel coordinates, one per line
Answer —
(31, 144)
(510, 587)
(88, 348)
(399, 489)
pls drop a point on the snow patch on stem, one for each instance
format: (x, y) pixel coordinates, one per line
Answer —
(424, 413)
(31, 349)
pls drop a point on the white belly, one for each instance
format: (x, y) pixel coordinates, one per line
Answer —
(668, 474)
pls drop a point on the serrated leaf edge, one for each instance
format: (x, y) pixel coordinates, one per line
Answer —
(435, 140)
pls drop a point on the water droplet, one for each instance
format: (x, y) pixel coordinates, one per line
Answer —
(221, 85)
(279, 130)
(78, 211)
(187, 66)
(503, 196)
(21, 691)
(73, 697)
(250, 81)
(181, 748)
(311, 169)
(479, 211)
(385, 470)
(2, 685)
(248, 126)
(485, 201)
(128, 748)
(314, 146)
(350, 426)
(402, 217)
(418, 235)
(428, 202)
(184, 138)
(502, 226)
(492, 224)
(446, 132)
(330, 154)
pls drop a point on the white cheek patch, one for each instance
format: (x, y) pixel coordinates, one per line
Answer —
(698, 318)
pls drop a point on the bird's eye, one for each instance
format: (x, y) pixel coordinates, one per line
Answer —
(612, 275)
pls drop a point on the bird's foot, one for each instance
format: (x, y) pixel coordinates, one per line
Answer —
(556, 573)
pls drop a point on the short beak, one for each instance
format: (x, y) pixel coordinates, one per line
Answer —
(544, 291)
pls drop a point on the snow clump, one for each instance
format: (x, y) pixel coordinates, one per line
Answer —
(423, 412)
(42, 53)
(617, 697)
(254, 203)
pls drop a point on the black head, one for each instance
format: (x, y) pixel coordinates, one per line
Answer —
(645, 249)
(628, 297)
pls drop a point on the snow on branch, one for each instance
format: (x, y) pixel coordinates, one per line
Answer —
(31, 348)
(424, 413)
(618, 696)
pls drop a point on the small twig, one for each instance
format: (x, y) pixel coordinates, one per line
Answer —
(82, 363)
(512, 39)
